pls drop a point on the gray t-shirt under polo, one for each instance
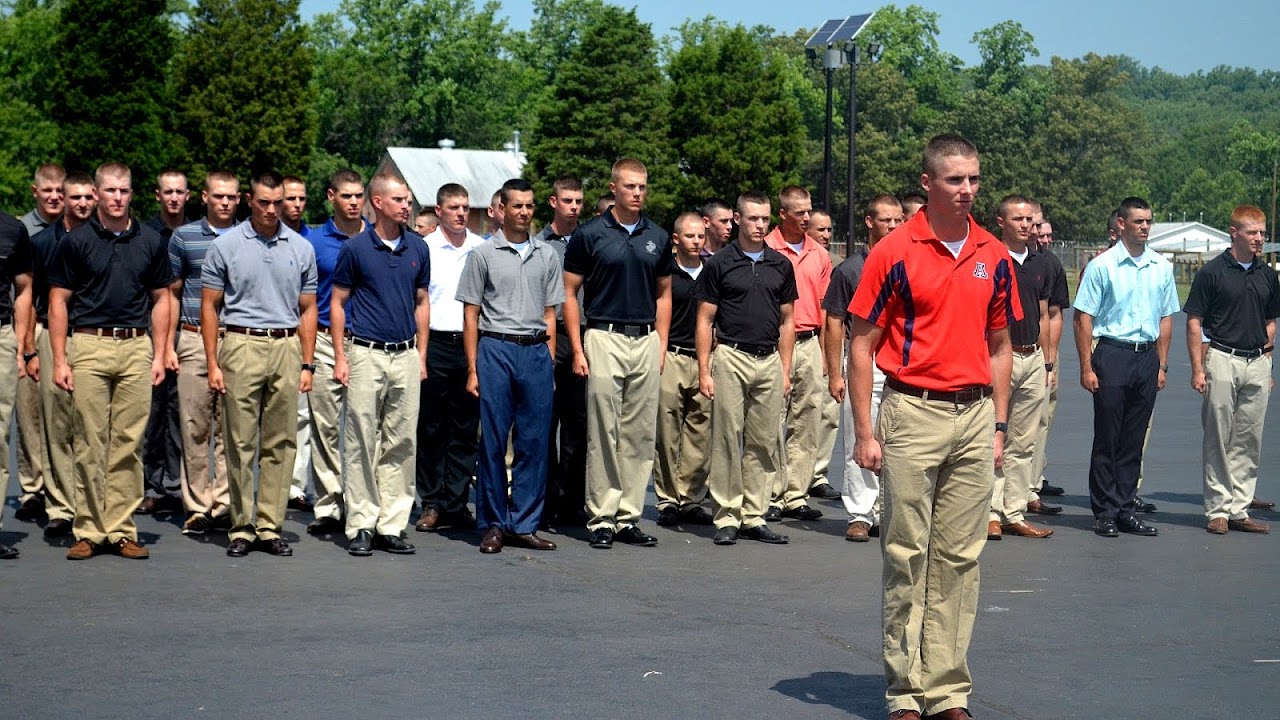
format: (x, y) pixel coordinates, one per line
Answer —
(512, 291)
(261, 278)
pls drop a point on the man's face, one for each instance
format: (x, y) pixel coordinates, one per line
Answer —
(517, 210)
(1037, 219)
(49, 198)
(347, 201)
(453, 213)
(220, 201)
(953, 185)
(795, 216)
(1135, 226)
(1248, 237)
(394, 202)
(689, 237)
(266, 205)
(820, 229)
(295, 202)
(114, 194)
(1046, 233)
(172, 194)
(753, 220)
(882, 219)
(80, 200)
(425, 224)
(719, 225)
(629, 190)
(567, 205)
(1016, 223)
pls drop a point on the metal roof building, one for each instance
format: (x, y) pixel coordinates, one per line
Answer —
(481, 172)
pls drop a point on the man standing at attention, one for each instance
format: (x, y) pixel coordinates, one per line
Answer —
(624, 263)
(381, 282)
(15, 325)
(820, 229)
(1234, 302)
(1125, 303)
(109, 285)
(933, 311)
(1059, 300)
(262, 277)
(718, 220)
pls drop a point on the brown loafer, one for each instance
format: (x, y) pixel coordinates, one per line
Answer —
(1258, 504)
(129, 548)
(993, 530)
(1217, 526)
(529, 541)
(1249, 525)
(1026, 529)
(429, 521)
(492, 542)
(858, 532)
(82, 550)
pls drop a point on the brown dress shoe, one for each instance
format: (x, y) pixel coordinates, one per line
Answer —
(904, 715)
(429, 521)
(492, 542)
(993, 530)
(82, 550)
(528, 541)
(1217, 526)
(147, 506)
(950, 714)
(1258, 504)
(1249, 525)
(1039, 508)
(1026, 529)
(858, 532)
(126, 548)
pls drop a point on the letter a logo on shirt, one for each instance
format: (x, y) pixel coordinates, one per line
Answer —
(980, 270)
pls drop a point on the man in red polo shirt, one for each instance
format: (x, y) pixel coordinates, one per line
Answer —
(933, 311)
(802, 409)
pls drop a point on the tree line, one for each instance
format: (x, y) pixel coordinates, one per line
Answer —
(712, 108)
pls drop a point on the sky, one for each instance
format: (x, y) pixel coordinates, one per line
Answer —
(1176, 35)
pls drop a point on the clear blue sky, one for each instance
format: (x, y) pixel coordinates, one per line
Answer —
(1178, 35)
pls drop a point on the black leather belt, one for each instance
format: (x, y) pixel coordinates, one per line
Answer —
(409, 344)
(1134, 346)
(113, 333)
(1026, 349)
(963, 396)
(1257, 352)
(447, 336)
(562, 329)
(632, 331)
(262, 332)
(685, 351)
(806, 335)
(517, 339)
(5, 322)
(748, 348)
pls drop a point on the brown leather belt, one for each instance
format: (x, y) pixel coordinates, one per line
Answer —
(262, 332)
(196, 328)
(113, 333)
(1026, 349)
(963, 396)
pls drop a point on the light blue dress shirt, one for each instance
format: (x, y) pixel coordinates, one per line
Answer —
(1127, 296)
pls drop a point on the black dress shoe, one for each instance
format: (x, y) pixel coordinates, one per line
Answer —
(668, 516)
(1040, 507)
(274, 546)
(773, 514)
(361, 545)
(602, 538)
(1133, 526)
(726, 536)
(764, 534)
(238, 548)
(1051, 491)
(803, 512)
(324, 526)
(8, 553)
(32, 510)
(1105, 527)
(1142, 506)
(393, 544)
(222, 522)
(696, 515)
(824, 492)
(301, 503)
(57, 528)
(633, 535)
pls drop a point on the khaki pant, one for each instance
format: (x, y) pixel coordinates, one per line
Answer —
(936, 481)
(801, 417)
(8, 395)
(828, 429)
(684, 427)
(327, 401)
(31, 474)
(1235, 406)
(112, 399)
(744, 434)
(261, 375)
(58, 418)
(622, 409)
(1039, 460)
(1026, 407)
(199, 412)
(381, 439)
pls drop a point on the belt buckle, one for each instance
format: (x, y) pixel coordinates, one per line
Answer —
(121, 333)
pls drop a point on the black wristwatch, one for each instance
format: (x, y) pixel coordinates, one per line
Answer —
(1048, 367)
(309, 367)
(1002, 427)
(26, 357)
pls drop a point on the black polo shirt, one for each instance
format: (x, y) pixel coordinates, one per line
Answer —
(44, 248)
(844, 281)
(620, 269)
(684, 308)
(1034, 275)
(1058, 295)
(15, 259)
(1233, 303)
(157, 223)
(111, 277)
(749, 295)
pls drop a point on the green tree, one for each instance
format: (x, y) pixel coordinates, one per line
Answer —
(908, 38)
(27, 136)
(608, 101)
(1206, 197)
(1257, 154)
(1004, 49)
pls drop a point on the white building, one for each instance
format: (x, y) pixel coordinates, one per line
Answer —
(1187, 238)
(481, 172)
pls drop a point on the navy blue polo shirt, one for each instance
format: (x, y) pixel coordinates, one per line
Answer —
(384, 284)
(15, 259)
(620, 269)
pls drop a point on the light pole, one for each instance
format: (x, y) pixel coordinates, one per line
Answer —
(854, 57)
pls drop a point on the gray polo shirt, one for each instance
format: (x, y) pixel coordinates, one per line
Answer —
(512, 291)
(261, 277)
(34, 222)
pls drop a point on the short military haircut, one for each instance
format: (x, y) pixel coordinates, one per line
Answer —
(170, 172)
(50, 172)
(448, 191)
(711, 206)
(687, 217)
(77, 178)
(790, 195)
(424, 211)
(627, 164)
(267, 180)
(822, 213)
(754, 197)
(345, 176)
(879, 201)
(220, 176)
(914, 196)
(293, 180)
(566, 183)
(944, 146)
(1247, 214)
(514, 185)
(114, 170)
(1131, 203)
(381, 183)
(1113, 221)
(605, 202)
(1010, 200)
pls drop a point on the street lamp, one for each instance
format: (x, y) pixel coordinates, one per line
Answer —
(854, 58)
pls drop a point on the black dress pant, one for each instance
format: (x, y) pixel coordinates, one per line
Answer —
(448, 427)
(1121, 409)
(567, 459)
(162, 442)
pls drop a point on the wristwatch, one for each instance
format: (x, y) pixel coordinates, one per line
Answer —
(1164, 368)
(1002, 427)
(309, 367)
(1048, 367)
(26, 357)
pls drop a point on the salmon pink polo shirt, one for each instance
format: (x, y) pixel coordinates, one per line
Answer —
(812, 267)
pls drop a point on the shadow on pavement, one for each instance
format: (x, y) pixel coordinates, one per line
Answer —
(859, 695)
